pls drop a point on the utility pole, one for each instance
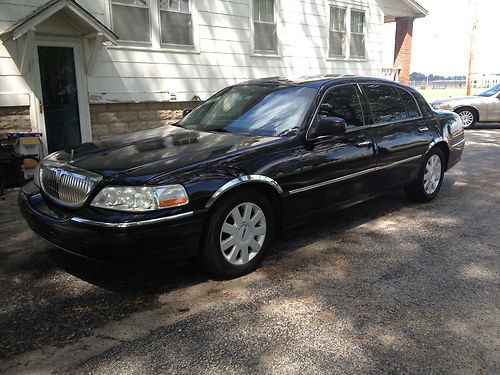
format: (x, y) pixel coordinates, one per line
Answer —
(472, 45)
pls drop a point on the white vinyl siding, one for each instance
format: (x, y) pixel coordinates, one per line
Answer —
(264, 26)
(130, 20)
(223, 51)
(337, 31)
(176, 22)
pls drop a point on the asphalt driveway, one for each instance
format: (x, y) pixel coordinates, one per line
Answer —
(385, 287)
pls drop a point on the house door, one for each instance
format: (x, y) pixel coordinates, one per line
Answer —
(62, 96)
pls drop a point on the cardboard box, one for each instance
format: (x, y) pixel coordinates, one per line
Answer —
(29, 167)
(29, 146)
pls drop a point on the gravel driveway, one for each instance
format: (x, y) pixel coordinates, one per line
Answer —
(385, 287)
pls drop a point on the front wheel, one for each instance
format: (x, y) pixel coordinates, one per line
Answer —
(239, 232)
(468, 117)
(430, 178)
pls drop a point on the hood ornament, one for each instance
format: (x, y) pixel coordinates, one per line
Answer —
(71, 155)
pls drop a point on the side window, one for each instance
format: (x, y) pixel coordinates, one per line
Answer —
(410, 103)
(385, 103)
(343, 102)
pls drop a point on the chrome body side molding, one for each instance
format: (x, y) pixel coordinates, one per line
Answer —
(353, 175)
(243, 180)
(131, 224)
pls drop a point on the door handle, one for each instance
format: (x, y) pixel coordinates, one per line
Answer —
(423, 129)
(364, 144)
(41, 106)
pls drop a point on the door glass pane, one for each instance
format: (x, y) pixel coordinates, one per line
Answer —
(343, 102)
(60, 97)
(385, 103)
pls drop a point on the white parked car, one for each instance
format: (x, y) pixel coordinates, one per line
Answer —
(484, 107)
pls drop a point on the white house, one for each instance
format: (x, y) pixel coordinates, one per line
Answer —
(82, 70)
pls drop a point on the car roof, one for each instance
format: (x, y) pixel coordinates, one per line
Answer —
(318, 81)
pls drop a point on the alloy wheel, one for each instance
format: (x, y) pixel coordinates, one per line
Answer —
(432, 175)
(243, 233)
(467, 118)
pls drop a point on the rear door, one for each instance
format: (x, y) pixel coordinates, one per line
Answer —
(401, 134)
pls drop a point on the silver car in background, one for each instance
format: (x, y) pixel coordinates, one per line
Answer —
(484, 107)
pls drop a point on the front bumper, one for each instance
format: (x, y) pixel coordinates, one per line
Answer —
(108, 236)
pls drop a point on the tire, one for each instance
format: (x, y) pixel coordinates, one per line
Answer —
(468, 116)
(226, 237)
(430, 179)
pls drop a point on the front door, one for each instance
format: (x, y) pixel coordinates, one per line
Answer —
(59, 97)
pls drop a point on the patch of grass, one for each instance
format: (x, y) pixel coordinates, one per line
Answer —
(433, 94)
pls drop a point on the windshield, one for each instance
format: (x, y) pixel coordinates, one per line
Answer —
(253, 109)
(491, 91)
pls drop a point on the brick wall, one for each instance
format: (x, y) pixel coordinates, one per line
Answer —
(403, 46)
(14, 119)
(114, 119)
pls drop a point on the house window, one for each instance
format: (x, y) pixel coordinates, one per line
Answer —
(176, 22)
(337, 31)
(131, 20)
(264, 24)
(357, 43)
(346, 33)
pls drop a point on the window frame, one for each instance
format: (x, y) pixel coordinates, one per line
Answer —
(155, 43)
(349, 9)
(396, 87)
(351, 33)
(263, 53)
(172, 46)
(150, 13)
(345, 32)
(361, 98)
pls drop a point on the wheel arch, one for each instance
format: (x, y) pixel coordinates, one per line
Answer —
(267, 186)
(443, 146)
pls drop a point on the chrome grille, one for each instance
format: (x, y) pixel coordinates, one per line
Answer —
(68, 185)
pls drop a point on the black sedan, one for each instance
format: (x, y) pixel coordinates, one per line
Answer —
(253, 159)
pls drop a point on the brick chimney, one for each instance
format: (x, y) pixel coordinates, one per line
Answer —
(402, 50)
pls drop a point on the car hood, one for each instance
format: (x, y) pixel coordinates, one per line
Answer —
(466, 100)
(149, 153)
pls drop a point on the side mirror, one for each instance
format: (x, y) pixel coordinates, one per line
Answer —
(328, 126)
(186, 111)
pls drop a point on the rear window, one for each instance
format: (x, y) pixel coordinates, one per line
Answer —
(385, 103)
(410, 103)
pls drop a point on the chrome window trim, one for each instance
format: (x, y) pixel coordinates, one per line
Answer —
(131, 224)
(353, 175)
(243, 180)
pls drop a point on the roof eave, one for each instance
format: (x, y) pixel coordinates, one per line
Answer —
(47, 10)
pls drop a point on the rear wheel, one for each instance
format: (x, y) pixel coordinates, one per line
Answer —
(468, 117)
(430, 178)
(239, 232)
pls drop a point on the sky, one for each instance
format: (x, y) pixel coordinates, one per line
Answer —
(441, 41)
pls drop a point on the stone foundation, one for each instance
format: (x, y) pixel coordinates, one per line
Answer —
(15, 119)
(122, 118)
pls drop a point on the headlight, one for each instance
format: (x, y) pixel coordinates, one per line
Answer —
(141, 198)
(441, 106)
(36, 175)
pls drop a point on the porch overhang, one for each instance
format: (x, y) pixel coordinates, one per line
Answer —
(88, 24)
(411, 9)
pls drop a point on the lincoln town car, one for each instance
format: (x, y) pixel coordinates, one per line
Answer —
(254, 159)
